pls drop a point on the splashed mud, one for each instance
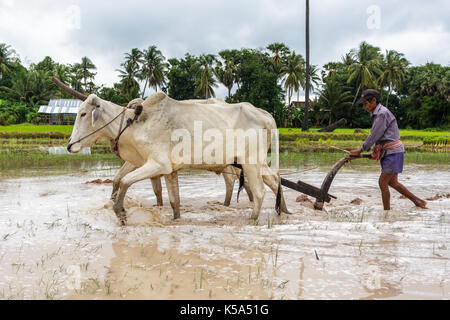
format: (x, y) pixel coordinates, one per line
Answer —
(59, 239)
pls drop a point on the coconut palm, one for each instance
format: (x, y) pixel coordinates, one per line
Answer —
(305, 124)
(134, 58)
(131, 71)
(225, 74)
(394, 71)
(314, 78)
(34, 87)
(280, 52)
(294, 72)
(128, 76)
(333, 96)
(153, 69)
(348, 59)
(5, 58)
(205, 80)
(82, 70)
(365, 68)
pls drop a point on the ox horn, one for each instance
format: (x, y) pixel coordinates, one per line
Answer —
(69, 90)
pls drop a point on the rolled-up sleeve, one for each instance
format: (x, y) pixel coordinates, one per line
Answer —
(379, 126)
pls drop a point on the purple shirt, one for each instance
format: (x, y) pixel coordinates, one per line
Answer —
(384, 129)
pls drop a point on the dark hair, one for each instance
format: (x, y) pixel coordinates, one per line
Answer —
(377, 99)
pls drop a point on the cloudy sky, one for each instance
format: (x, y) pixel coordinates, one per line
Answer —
(104, 30)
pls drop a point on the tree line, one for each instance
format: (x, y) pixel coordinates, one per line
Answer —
(418, 95)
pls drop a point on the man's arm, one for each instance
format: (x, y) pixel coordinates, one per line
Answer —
(379, 126)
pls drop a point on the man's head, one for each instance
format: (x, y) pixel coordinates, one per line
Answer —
(370, 99)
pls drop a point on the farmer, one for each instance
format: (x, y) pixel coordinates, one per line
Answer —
(388, 148)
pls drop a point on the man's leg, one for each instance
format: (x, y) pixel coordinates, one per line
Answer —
(402, 189)
(384, 182)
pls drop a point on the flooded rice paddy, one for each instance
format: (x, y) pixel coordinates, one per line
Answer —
(59, 239)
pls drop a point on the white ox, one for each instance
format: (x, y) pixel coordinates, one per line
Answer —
(147, 145)
(230, 175)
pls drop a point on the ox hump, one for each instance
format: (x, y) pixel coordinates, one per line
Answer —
(154, 99)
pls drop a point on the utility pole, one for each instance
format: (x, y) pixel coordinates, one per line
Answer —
(305, 119)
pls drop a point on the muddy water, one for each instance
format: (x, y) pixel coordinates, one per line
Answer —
(59, 239)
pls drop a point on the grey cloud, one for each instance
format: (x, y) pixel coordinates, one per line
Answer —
(110, 29)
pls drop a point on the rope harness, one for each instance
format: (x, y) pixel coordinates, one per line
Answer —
(115, 146)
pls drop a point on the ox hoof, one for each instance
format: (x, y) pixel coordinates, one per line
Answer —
(255, 216)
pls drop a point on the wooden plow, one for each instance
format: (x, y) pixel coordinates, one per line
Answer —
(321, 194)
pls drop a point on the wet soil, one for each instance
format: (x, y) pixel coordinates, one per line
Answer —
(59, 239)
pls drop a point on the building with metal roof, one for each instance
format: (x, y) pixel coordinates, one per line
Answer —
(60, 111)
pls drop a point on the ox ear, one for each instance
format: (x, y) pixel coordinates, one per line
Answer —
(96, 114)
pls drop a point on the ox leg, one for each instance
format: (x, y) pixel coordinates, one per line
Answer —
(249, 192)
(174, 194)
(256, 185)
(272, 182)
(228, 176)
(150, 169)
(124, 170)
(157, 189)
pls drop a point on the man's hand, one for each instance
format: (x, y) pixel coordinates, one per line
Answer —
(355, 153)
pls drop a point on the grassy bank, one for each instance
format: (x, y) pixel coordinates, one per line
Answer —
(23, 146)
(404, 133)
(26, 127)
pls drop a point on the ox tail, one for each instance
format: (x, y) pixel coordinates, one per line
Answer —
(278, 201)
(241, 183)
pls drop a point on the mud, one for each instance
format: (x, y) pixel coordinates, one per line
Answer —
(59, 239)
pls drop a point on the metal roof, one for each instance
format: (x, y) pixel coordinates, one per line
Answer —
(67, 106)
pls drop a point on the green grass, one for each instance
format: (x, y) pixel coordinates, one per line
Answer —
(403, 132)
(26, 127)
(420, 134)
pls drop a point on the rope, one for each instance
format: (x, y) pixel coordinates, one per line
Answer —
(123, 112)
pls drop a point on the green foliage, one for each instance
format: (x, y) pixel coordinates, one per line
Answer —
(419, 96)
(436, 141)
(12, 113)
(258, 85)
(182, 81)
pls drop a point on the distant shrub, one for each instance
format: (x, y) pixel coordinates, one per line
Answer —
(437, 141)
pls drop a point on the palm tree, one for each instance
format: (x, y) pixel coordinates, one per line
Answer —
(348, 59)
(205, 77)
(280, 52)
(334, 97)
(153, 69)
(131, 71)
(314, 78)
(294, 71)
(305, 125)
(33, 87)
(62, 72)
(83, 70)
(394, 70)
(365, 69)
(134, 58)
(225, 74)
(128, 76)
(5, 58)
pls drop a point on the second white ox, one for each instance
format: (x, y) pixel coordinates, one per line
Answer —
(148, 145)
